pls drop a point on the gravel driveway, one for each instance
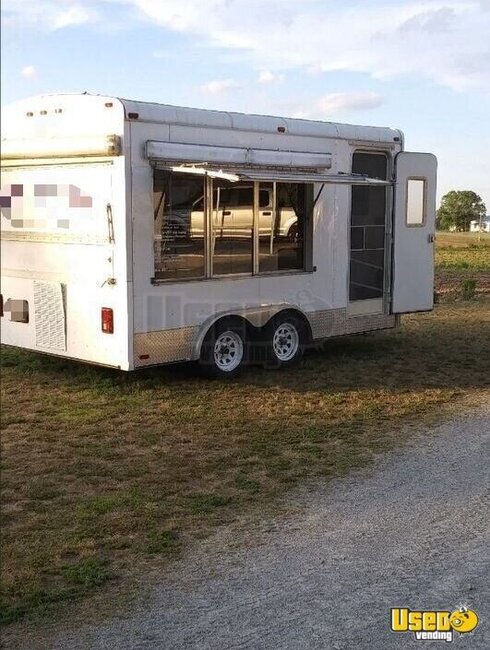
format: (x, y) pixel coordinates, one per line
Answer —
(411, 530)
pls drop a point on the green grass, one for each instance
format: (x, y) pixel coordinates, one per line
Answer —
(88, 573)
(103, 472)
(474, 259)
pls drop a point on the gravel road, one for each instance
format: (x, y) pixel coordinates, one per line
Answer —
(410, 530)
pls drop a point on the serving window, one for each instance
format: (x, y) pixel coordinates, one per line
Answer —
(232, 219)
(282, 226)
(213, 227)
(179, 226)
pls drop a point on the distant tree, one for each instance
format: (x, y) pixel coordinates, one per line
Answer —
(458, 208)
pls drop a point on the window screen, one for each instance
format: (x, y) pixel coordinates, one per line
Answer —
(368, 215)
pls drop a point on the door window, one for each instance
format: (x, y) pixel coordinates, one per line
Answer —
(415, 201)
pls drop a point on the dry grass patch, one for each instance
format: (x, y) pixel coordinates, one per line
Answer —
(446, 239)
(102, 470)
(462, 265)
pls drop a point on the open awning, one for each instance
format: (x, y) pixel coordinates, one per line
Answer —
(309, 177)
(279, 176)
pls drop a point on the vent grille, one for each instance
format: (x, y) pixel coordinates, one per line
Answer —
(49, 311)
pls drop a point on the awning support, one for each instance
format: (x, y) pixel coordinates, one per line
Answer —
(317, 196)
(204, 171)
(279, 176)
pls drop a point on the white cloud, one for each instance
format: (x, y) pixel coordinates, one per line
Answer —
(74, 15)
(49, 14)
(445, 41)
(268, 77)
(332, 105)
(338, 103)
(218, 86)
(28, 71)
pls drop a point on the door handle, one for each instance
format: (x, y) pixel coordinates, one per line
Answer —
(226, 213)
(267, 214)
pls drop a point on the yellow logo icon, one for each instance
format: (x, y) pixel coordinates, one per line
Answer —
(464, 620)
(431, 625)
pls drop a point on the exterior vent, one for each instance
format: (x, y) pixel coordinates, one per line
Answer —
(49, 315)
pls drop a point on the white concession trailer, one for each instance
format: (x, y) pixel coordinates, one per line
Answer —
(136, 234)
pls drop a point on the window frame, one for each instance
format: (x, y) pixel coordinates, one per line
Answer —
(209, 275)
(422, 223)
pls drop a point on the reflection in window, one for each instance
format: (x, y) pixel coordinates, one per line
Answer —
(197, 237)
(367, 229)
(282, 218)
(232, 218)
(415, 201)
(179, 225)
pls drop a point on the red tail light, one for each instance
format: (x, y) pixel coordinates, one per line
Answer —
(107, 320)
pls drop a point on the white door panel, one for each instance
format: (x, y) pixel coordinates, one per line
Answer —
(414, 224)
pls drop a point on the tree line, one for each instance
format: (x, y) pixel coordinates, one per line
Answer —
(458, 209)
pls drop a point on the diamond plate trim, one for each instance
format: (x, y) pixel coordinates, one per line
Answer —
(164, 346)
(369, 323)
(334, 322)
(49, 314)
(167, 346)
(327, 322)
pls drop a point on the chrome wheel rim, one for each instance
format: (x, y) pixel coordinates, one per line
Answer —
(228, 351)
(285, 341)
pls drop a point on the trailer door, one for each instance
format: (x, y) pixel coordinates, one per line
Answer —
(414, 224)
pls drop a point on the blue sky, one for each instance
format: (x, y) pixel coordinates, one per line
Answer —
(422, 66)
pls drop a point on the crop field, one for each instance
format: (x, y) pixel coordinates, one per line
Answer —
(105, 474)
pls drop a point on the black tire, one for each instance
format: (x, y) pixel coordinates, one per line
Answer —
(231, 334)
(285, 337)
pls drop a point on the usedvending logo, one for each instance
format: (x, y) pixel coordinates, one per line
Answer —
(433, 625)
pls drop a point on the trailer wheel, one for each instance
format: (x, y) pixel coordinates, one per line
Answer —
(224, 350)
(285, 337)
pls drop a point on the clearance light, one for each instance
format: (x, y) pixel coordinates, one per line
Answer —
(107, 320)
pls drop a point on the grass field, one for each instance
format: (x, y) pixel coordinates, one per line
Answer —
(446, 239)
(105, 472)
(461, 258)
